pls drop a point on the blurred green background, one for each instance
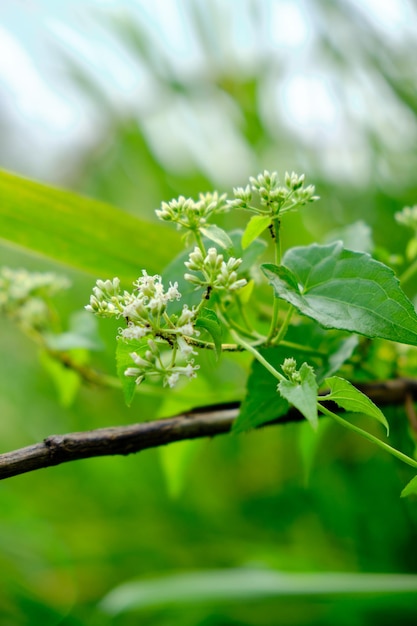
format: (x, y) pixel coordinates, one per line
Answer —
(134, 103)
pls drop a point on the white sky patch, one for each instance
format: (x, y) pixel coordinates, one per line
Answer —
(310, 106)
(289, 26)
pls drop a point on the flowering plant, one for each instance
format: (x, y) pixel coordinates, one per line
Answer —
(326, 302)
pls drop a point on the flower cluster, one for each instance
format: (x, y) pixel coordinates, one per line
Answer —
(273, 198)
(25, 296)
(213, 272)
(167, 354)
(408, 217)
(192, 214)
(154, 362)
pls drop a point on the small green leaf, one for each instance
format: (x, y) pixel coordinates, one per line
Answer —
(123, 361)
(410, 488)
(356, 236)
(302, 395)
(251, 254)
(82, 333)
(254, 228)
(262, 403)
(346, 290)
(208, 320)
(351, 399)
(67, 382)
(218, 235)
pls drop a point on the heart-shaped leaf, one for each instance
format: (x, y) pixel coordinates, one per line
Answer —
(346, 290)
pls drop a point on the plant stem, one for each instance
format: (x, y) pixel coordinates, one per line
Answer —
(409, 272)
(232, 324)
(199, 241)
(277, 259)
(247, 346)
(284, 327)
(399, 455)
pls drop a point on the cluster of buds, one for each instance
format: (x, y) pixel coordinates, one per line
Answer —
(108, 300)
(273, 198)
(213, 272)
(192, 214)
(289, 367)
(167, 352)
(25, 296)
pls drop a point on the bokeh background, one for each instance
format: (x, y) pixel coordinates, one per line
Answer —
(135, 102)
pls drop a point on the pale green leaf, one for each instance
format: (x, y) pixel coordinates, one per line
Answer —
(207, 320)
(410, 488)
(351, 399)
(254, 228)
(124, 348)
(346, 290)
(356, 236)
(82, 333)
(66, 381)
(218, 235)
(240, 585)
(86, 234)
(302, 395)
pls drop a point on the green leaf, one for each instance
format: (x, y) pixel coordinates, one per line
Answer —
(356, 236)
(250, 255)
(302, 395)
(66, 381)
(240, 585)
(82, 333)
(351, 399)
(343, 351)
(208, 320)
(410, 488)
(254, 228)
(345, 290)
(218, 235)
(123, 361)
(86, 234)
(262, 402)
(324, 351)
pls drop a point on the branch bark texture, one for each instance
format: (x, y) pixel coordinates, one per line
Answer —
(203, 422)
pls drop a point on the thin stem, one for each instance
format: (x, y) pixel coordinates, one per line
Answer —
(247, 346)
(277, 258)
(301, 348)
(284, 327)
(399, 455)
(232, 324)
(409, 272)
(199, 241)
(243, 313)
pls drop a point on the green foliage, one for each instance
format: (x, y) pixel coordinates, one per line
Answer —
(351, 399)
(344, 289)
(71, 534)
(301, 392)
(338, 288)
(83, 233)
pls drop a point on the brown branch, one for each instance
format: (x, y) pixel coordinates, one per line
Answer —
(203, 422)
